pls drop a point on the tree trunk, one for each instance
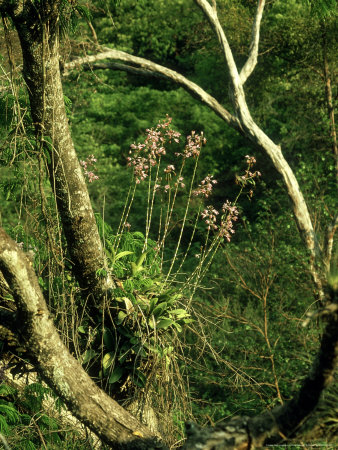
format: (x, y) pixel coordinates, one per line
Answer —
(37, 28)
(109, 420)
(329, 101)
(61, 371)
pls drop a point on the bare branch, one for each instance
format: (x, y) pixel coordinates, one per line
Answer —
(124, 68)
(150, 66)
(211, 14)
(251, 62)
(328, 244)
(282, 421)
(321, 375)
(242, 123)
(52, 359)
(257, 135)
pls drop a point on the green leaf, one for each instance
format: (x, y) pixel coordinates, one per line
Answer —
(180, 313)
(42, 283)
(10, 413)
(6, 390)
(107, 360)
(120, 317)
(101, 273)
(164, 323)
(188, 320)
(88, 355)
(135, 268)
(128, 285)
(138, 234)
(158, 310)
(81, 329)
(139, 379)
(122, 254)
(141, 259)
(178, 327)
(108, 339)
(116, 375)
(4, 428)
(152, 304)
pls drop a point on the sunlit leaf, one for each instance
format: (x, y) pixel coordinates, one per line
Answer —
(107, 360)
(122, 254)
(178, 327)
(120, 317)
(164, 323)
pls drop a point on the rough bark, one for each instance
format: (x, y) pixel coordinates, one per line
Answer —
(113, 423)
(61, 371)
(37, 27)
(242, 121)
(328, 242)
(37, 30)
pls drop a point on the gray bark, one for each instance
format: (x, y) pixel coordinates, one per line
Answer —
(278, 425)
(114, 424)
(37, 28)
(61, 371)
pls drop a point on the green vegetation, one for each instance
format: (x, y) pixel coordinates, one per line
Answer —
(208, 320)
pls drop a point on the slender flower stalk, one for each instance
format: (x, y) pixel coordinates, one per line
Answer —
(192, 149)
(143, 158)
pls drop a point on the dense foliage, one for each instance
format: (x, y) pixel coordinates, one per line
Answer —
(217, 339)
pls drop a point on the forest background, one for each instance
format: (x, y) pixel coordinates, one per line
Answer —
(246, 349)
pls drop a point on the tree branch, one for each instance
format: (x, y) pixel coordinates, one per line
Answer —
(211, 14)
(151, 67)
(328, 243)
(283, 421)
(109, 420)
(242, 123)
(251, 62)
(37, 29)
(61, 371)
(257, 135)
(124, 68)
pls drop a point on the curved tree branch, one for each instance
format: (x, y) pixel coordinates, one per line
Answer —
(211, 14)
(60, 370)
(123, 67)
(257, 135)
(109, 420)
(243, 123)
(150, 66)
